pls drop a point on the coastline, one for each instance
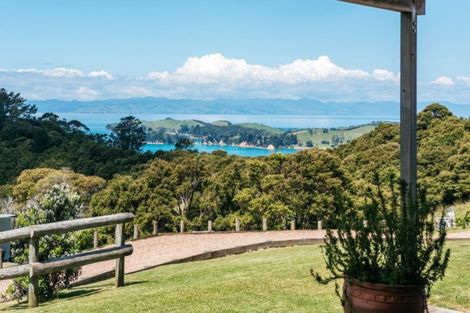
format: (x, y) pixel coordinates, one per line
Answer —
(241, 145)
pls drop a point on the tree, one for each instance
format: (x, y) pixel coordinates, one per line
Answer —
(13, 106)
(184, 144)
(128, 134)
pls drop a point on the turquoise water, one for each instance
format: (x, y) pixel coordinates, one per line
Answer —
(232, 150)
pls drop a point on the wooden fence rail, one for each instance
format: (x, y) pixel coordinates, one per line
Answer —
(34, 268)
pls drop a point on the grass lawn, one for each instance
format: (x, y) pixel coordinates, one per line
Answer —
(275, 280)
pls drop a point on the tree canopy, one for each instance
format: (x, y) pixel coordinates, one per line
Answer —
(128, 134)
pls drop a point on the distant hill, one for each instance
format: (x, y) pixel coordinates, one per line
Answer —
(171, 124)
(326, 138)
(170, 131)
(150, 105)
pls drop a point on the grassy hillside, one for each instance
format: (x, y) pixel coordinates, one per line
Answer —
(313, 137)
(267, 129)
(275, 280)
(171, 124)
(325, 138)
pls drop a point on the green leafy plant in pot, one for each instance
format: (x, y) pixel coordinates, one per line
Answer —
(388, 252)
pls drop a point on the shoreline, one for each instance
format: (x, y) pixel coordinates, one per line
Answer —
(236, 146)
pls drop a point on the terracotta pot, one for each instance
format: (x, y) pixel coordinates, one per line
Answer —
(363, 297)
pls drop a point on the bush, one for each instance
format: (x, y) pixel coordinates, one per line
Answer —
(464, 220)
(56, 205)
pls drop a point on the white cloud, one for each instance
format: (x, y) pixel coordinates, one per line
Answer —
(464, 79)
(216, 76)
(98, 74)
(443, 81)
(385, 75)
(63, 72)
(86, 93)
(215, 68)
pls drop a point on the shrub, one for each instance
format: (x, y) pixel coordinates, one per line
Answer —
(464, 220)
(381, 243)
(59, 204)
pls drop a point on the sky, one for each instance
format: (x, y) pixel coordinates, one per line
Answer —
(206, 49)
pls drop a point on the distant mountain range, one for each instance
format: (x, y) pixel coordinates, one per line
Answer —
(150, 105)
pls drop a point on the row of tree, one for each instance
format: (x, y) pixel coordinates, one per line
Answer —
(229, 134)
(28, 141)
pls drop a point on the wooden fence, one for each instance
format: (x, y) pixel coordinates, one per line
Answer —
(182, 228)
(35, 268)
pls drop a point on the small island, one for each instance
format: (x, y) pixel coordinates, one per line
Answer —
(169, 131)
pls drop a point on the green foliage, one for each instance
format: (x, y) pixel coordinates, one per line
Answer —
(463, 221)
(59, 204)
(48, 141)
(184, 144)
(39, 180)
(14, 107)
(380, 242)
(199, 187)
(443, 155)
(128, 134)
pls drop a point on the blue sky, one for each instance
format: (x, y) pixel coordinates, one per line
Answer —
(321, 49)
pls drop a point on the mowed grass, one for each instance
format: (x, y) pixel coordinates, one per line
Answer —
(274, 280)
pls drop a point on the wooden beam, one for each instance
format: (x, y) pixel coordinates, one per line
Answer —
(15, 234)
(37, 231)
(14, 271)
(394, 5)
(79, 224)
(408, 99)
(100, 255)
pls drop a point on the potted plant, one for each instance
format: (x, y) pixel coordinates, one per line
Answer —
(388, 252)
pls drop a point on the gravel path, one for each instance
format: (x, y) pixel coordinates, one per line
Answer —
(153, 251)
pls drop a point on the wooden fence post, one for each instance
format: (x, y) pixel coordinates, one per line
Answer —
(155, 228)
(265, 224)
(292, 225)
(182, 226)
(136, 231)
(237, 224)
(95, 238)
(209, 226)
(33, 290)
(1, 258)
(120, 241)
(319, 225)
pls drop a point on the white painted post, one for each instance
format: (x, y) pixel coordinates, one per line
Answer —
(292, 225)
(136, 231)
(237, 224)
(209, 226)
(319, 225)
(155, 228)
(182, 226)
(265, 224)
(95, 238)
